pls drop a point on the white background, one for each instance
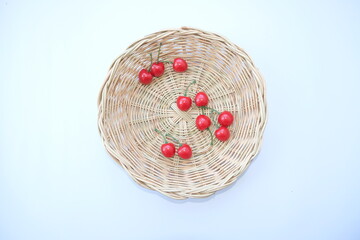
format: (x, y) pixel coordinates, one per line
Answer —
(58, 182)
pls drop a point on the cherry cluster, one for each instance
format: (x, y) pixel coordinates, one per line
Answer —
(184, 103)
(157, 68)
(202, 121)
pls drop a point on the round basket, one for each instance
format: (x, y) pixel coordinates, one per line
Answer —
(129, 112)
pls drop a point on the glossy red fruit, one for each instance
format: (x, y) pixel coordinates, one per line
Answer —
(185, 151)
(222, 133)
(179, 65)
(157, 69)
(183, 103)
(225, 118)
(201, 99)
(202, 122)
(168, 149)
(145, 77)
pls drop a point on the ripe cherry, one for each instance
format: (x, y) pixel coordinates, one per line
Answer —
(201, 99)
(157, 69)
(225, 118)
(202, 122)
(184, 102)
(168, 149)
(185, 151)
(179, 65)
(222, 133)
(145, 77)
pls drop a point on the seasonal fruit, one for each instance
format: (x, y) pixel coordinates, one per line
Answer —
(225, 118)
(157, 69)
(168, 149)
(183, 103)
(202, 122)
(185, 151)
(201, 99)
(145, 77)
(222, 133)
(179, 65)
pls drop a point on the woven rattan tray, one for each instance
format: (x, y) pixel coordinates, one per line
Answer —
(129, 112)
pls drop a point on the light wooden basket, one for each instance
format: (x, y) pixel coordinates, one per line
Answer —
(129, 112)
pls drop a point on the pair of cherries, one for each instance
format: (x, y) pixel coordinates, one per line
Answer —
(203, 122)
(157, 68)
(168, 149)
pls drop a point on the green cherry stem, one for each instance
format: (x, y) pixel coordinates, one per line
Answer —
(212, 116)
(173, 138)
(212, 110)
(159, 52)
(150, 62)
(187, 88)
(159, 132)
(213, 119)
(211, 135)
(214, 122)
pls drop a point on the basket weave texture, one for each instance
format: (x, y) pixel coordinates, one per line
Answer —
(129, 112)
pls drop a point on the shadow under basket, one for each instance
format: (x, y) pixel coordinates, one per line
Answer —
(129, 112)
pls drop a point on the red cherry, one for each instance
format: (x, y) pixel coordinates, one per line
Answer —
(168, 149)
(201, 99)
(145, 77)
(202, 122)
(179, 65)
(183, 103)
(157, 69)
(185, 151)
(225, 118)
(222, 133)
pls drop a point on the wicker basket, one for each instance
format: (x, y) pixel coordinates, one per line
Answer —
(129, 112)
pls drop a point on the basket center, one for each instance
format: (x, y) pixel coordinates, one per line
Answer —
(181, 114)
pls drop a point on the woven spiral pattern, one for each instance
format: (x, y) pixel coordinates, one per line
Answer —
(129, 112)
